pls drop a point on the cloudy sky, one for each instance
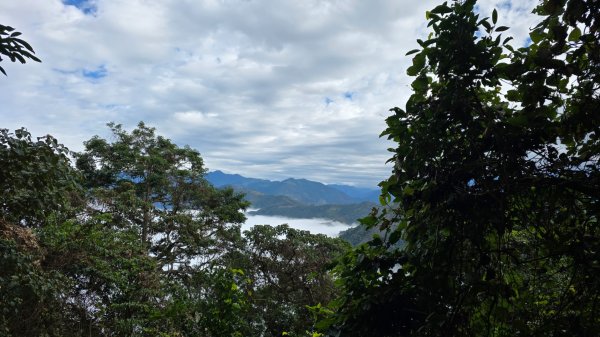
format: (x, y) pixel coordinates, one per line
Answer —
(264, 88)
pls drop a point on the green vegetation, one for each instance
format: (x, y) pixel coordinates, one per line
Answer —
(133, 241)
(494, 190)
(13, 47)
(489, 225)
(360, 234)
(288, 269)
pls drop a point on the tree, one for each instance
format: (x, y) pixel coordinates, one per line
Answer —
(146, 186)
(29, 294)
(110, 285)
(13, 47)
(495, 193)
(37, 179)
(288, 273)
(147, 183)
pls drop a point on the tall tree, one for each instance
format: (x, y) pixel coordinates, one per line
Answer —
(495, 194)
(150, 184)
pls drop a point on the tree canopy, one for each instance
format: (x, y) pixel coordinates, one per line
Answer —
(495, 186)
(133, 241)
(37, 178)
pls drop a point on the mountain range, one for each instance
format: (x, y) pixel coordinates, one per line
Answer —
(305, 199)
(300, 198)
(302, 190)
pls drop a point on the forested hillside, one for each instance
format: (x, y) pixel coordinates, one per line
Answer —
(348, 214)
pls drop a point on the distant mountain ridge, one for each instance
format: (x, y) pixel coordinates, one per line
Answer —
(348, 214)
(300, 198)
(359, 193)
(302, 190)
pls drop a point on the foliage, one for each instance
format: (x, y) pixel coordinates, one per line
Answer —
(495, 191)
(136, 242)
(27, 292)
(149, 184)
(221, 309)
(13, 47)
(288, 273)
(112, 284)
(37, 179)
(155, 190)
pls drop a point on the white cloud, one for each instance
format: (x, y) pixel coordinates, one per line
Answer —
(258, 87)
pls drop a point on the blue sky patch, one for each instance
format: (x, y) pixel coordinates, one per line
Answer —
(88, 7)
(96, 73)
(328, 101)
(349, 95)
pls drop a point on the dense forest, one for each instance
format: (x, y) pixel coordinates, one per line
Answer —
(488, 225)
(132, 240)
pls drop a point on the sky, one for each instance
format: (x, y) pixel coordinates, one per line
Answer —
(268, 89)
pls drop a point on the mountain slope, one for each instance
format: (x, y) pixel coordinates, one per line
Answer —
(343, 213)
(359, 193)
(300, 198)
(302, 190)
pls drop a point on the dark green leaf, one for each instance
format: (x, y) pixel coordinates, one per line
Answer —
(575, 34)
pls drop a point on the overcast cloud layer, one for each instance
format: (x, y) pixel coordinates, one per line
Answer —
(267, 89)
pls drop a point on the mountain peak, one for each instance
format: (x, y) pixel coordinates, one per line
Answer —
(300, 189)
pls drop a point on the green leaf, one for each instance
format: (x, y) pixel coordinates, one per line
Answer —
(494, 16)
(486, 24)
(417, 66)
(536, 35)
(501, 29)
(575, 34)
(518, 120)
(513, 95)
(442, 9)
(395, 236)
(420, 83)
